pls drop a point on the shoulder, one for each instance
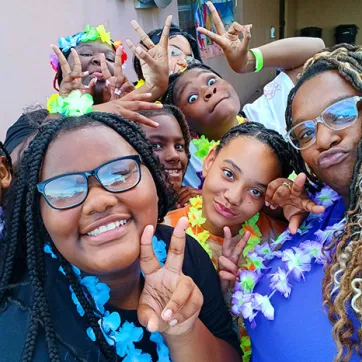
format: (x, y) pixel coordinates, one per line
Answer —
(270, 227)
(173, 216)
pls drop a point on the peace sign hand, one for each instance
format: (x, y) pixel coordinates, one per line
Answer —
(228, 267)
(294, 200)
(117, 86)
(153, 59)
(170, 301)
(235, 50)
(72, 79)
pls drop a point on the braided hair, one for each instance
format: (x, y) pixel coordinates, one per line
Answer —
(347, 60)
(169, 96)
(267, 136)
(26, 233)
(169, 110)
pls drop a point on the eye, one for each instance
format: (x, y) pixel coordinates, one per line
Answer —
(228, 174)
(175, 52)
(180, 147)
(193, 98)
(110, 60)
(256, 193)
(156, 146)
(83, 54)
(211, 81)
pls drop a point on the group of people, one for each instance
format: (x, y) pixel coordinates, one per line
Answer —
(159, 219)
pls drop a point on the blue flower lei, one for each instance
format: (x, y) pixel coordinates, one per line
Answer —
(296, 262)
(122, 337)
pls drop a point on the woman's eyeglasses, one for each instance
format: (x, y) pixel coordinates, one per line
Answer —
(338, 116)
(71, 189)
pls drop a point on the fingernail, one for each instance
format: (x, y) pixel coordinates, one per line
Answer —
(167, 314)
(173, 322)
(178, 206)
(95, 80)
(86, 72)
(267, 204)
(139, 50)
(86, 86)
(273, 207)
(107, 83)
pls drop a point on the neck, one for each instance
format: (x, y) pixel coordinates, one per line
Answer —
(346, 200)
(126, 287)
(215, 134)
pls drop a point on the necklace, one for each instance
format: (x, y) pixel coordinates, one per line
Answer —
(122, 337)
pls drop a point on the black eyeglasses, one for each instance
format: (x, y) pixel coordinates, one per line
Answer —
(338, 116)
(70, 190)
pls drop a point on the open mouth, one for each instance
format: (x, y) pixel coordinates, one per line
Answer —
(218, 102)
(97, 75)
(173, 172)
(106, 228)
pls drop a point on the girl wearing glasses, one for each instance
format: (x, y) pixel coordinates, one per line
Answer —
(320, 265)
(86, 273)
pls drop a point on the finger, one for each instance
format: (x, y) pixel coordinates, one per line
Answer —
(140, 105)
(118, 63)
(281, 195)
(246, 31)
(138, 118)
(236, 253)
(184, 288)
(128, 87)
(226, 245)
(184, 191)
(165, 33)
(298, 184)
(142, 34)
(90, 88)
(226, 279)
(235, 29)
(148, 318)
(214, 37)
(219, 26)
(149, 262)
(310, 206)
(191, 308)
(64, 66)
(77, 69)
(295, 221)
(227, 265)
(104, 68)
(185, 198)
(175, 255)
(139, 97)
(272, 187)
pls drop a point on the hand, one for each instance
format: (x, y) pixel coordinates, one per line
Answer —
(228, 268)
(129, 106)
(154, 59)
(294, 200)
(72, 79)
(170, 301)
(117, 86)
(235, 50)
(185, 194)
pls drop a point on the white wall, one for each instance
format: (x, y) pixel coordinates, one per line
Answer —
(29, 27)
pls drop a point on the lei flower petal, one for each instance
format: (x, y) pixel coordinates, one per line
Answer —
(195, 217)
(247, 281)
(279, 282)
(297, 262)
(196, 202)
(65, 44)
(203, 146)
(138, 356)
(126, 337)
(314, 249)
(262, 303)
(159, 248)
(326, 197)
(90, 34)
(104, 35)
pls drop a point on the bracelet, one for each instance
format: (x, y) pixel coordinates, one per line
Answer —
(76, 104)
(259, 59)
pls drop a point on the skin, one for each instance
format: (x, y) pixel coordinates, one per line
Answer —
(209, 103)
(233, 181)
(115, 262)
(169, 145)
(177, 59)
(5, 177)
(313, 97)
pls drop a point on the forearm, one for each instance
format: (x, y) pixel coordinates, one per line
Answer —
(287, 53)
(200, 345)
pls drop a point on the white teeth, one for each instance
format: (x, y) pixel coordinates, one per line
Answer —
(108, 227)
(172, 172)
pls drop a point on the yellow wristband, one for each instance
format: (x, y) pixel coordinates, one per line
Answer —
(259, 59)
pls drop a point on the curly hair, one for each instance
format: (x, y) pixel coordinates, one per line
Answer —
(343, 275)
(26, 233)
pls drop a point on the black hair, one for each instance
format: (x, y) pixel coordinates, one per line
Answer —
(5, 153)
(169, 97)
(155, 36)
(26, 233)
(267, 136)
(180, 118)
(347, 60)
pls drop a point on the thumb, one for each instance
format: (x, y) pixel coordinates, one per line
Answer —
(148, 318)
(246, 31)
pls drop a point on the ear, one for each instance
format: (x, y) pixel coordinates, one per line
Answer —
(208, 161)
(5, 174)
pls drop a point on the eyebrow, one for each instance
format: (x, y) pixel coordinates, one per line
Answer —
(237, 168)
(182, 89)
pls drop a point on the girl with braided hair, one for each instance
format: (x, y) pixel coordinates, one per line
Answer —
(79, 277)
(284, 316)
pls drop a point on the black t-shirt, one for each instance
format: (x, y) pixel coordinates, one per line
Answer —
(71, 328)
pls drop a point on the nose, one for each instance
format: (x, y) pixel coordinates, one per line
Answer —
(182, 62)
(208, 92)
(98, 200)
(326, 137)
(96, 60)
(172, 155)
(234, 194)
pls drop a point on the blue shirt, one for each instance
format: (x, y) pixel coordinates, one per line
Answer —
(301, 330)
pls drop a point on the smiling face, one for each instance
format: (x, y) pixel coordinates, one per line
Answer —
(178, 48)
(333, 155)
(89, 54)
(235, 185)
(169, 145)
(110, 251)
(209, 103)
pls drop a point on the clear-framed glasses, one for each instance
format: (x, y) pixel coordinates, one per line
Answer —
(178, 55)
(338, 116)
(70, 190)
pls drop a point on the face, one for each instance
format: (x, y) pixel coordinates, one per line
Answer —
(112, 251)
(5, 177)
(169, 145)
(179, 48)
(333, 155)
(235, 186)
(208, 102)
(89, 55)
